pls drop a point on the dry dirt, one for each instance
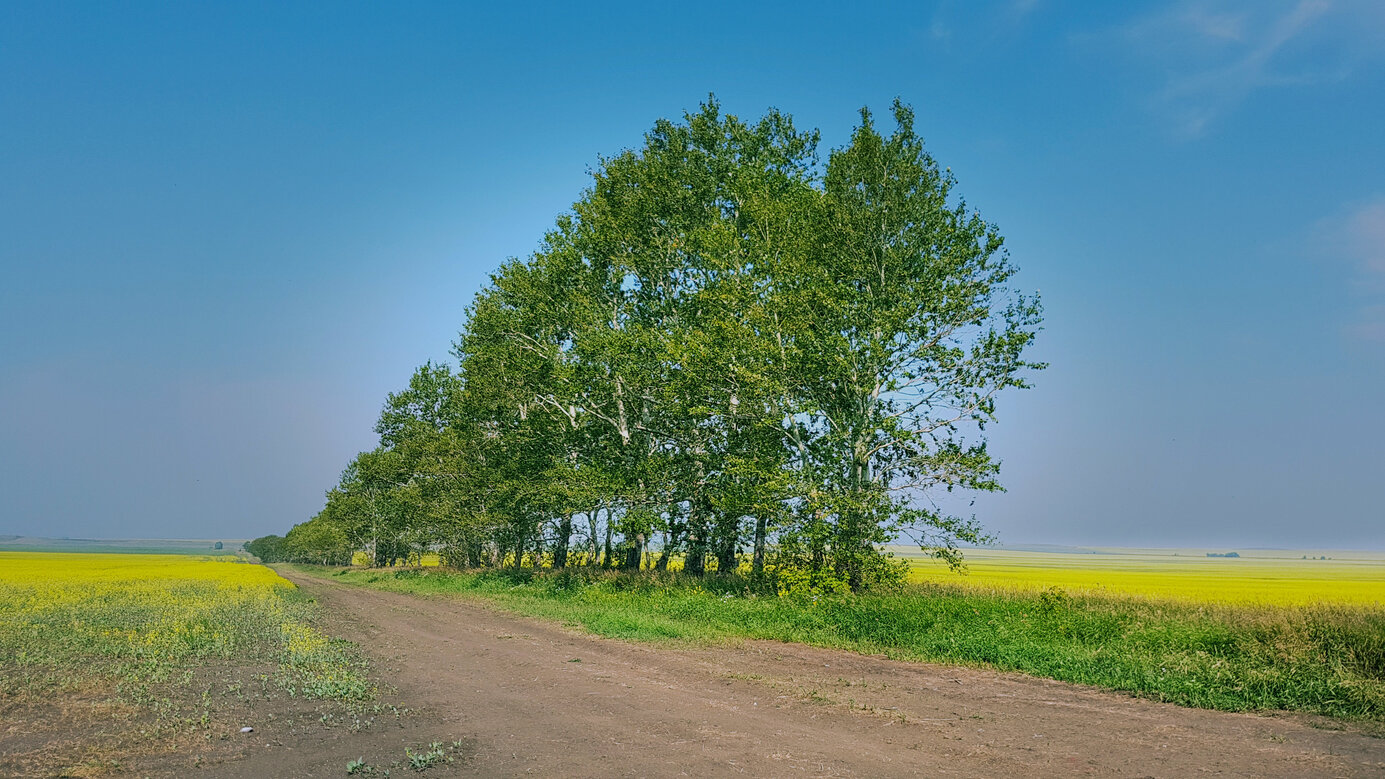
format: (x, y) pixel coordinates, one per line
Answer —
(530, 698)
(511, 696)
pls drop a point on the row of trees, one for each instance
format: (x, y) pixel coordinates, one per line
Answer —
(320, 543)
(728, 353)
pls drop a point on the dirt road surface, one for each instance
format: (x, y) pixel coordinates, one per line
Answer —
(534, 699)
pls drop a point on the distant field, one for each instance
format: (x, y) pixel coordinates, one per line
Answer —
(1264, 577)
(1256, 577)
(108, 656)
(67, 620)
(198, 546)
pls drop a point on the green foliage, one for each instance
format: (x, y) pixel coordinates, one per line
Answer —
(424, 759)
(318, 540)
(415, 759)
(1054, 600)
(270, 549)
(727, 349)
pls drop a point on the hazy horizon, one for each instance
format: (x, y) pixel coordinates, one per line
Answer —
(9, 539)
(229, 232)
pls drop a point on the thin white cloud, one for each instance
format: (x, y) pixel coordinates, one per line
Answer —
(1018, 9)
(1216, 53)
(1218, 25)
(1369, 324)
(973, 22)
(1358, 237)
(939, 29)
(1364, 234)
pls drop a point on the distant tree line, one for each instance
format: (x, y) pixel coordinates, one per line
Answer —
(727, 354)
(304, 544)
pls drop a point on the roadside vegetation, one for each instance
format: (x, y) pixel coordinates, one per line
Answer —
(1325, 659)
(144, 652)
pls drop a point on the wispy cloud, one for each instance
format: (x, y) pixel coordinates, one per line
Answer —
(1365, 239)
(1358, 236)
(1216, 53)
(1369, 324)
(1018, 9)
(953, 20)
(1216, 25)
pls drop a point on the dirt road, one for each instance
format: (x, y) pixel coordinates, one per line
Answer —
(530, 698)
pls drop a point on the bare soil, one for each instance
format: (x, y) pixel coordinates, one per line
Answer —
(534, 698)
(511, 696)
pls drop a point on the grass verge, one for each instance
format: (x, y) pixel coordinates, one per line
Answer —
(1327, 659)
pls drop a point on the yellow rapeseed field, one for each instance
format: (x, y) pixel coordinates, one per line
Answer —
(71, 620)
(427, 560)
(1287, 579)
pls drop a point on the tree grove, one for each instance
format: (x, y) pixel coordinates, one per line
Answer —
(728, 353)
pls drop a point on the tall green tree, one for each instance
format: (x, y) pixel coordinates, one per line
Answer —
(911, 334)
(727, 347)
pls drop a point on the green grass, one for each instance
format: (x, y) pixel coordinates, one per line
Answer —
(1322, 659)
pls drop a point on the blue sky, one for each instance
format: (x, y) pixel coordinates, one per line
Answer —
(227, 231)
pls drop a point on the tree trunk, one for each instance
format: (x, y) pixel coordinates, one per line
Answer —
(728, 544)
(520, 543)
(606, 559)
(560, 546)
(635, 552)
(761, 530)
(670, 543)
(595, 556)
(695, 560)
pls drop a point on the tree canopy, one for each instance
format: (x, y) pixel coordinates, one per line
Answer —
(727, 353)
